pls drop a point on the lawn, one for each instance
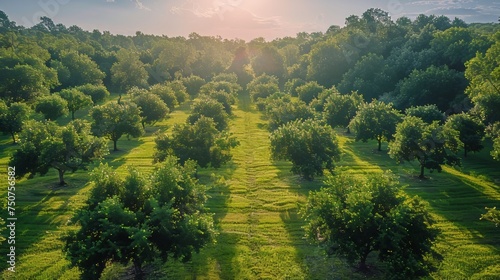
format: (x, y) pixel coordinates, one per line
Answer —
(256, 202)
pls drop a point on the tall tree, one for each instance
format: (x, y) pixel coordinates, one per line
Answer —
(375, 120)
(113, 120)
(128, 71)
(82, 69)
(432, 145)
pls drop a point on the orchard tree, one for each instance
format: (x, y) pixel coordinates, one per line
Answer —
(432, 145)
(210, 108)
(428, 113)
(263, 86)
(76, 100)
(269, 61)
(309, 91)
(98, 93)
(166, 94)
(224, 98)
(193, 84)
(44, 145)
(471, 131)
(309, 145)
(51, 106)
(327, 63)
(113, 120)
(128, 71)
(355, 216)
(140, 219)
(13, 117)
(152, 108)
(82, 69)
(200, 141)
(282, 111)
(375, 120)
(339, 109)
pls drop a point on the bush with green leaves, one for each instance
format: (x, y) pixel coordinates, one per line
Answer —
(355, 216)
(193, 84)
(140, 219)
(292, 85)
(98, 93)
(228, 87)
(223, 98)
(51, 106)
(200, 141)
(310, 145)
(211, 108)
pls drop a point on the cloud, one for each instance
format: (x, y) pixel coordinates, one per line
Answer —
(138, 4)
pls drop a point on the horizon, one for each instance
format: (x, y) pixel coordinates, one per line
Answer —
(232, 19)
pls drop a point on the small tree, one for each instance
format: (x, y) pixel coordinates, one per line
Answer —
(375, 120)
(339, 109)
(13, 117)
(282, 111)
(428, 113)
(152, 108)
(309, 91)
(209, 107)
(180, 91)
(353, 217)
(223, 98)
(76, 100)
(113, 120)
(200, 141)
(431, 144)
(44, 145)
(470, 129)
(193, 84)
(166, 94)
(309, 145)
(139, 220)
(98, 93)
(51, 106)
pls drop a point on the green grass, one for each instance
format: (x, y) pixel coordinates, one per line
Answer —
(256, 210)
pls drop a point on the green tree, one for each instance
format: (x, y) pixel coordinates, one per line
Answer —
(375, 120)
(327, 63)
(210, 108)
(82, 69)
(339, 109)
(51, 106)
(139, 220)
(428, 113)
(353, 217)
(471, 131)
(166, 94)
(113, 120)
(179, 89)
(200, 141)
(224, 98)
(98, 93)
(44, 145)
(13, 117)
(128, 71)
(152, 108)
(432, 145)
(269, 61)
(193, 84)
(309, 145)
(76, 100)
(263, 86)
(308, 91)
(282, 111)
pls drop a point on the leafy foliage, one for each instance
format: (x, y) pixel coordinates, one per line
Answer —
(193, 84)
(428, 113)
(75, 99)
(98, 93)
(137, 220)
(210, 108)
(353, 217)
(471, 131)
(339, 109)
(309, 91)
(200, 141)
(431, 145)
(309, 145)
(128, 71)
(13, 117)
(152, 108)
(51, 106)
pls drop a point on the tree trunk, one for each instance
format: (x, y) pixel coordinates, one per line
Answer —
(379, 144)
(73, 115)
(421, 176)
(362, 262)
(348, 130)
(13, 137)
(138, 270)
(114, 145)
(61, 177)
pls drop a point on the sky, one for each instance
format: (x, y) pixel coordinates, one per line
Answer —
(242, 19)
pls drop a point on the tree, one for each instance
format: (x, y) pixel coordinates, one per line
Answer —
(431, 145)
(152, 108)
(98, 93)
(128, 71)
(166, 94)
(292, 85)
(113, 120)
(193, 84)
(139, 220)
(471, 131)
(51, 106)
(200, 141)
(309, 91)
(281, 111)
(44, 145)
(76, 100)
(428, 113)
(224, 98)
(327, 63)
(269, 61)
(180, 90)
(13, 117)
(309, 145)
(82, 69)
(353, 217)
(339, 109)
(263, 86)
(375, 120)
(210, 108)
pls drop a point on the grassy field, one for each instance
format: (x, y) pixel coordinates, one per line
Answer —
(256, 205)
